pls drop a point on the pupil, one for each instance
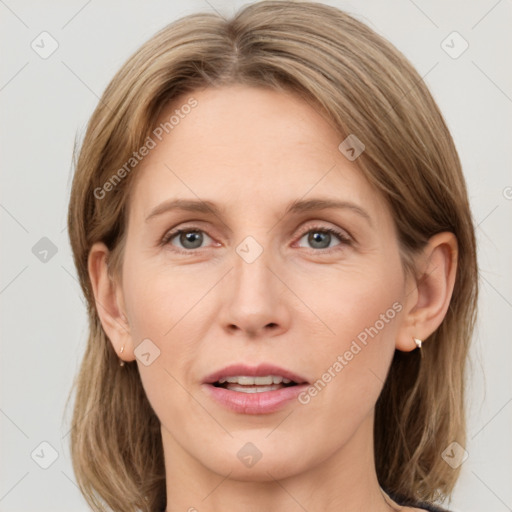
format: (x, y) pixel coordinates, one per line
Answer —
(191, 239)
(316, 237)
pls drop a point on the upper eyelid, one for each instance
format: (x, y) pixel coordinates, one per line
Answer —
(320, 228)
(186, 227)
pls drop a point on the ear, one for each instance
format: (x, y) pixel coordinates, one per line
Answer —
(109, 302)
(429, 293)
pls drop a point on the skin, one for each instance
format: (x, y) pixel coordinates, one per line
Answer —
(298, 305)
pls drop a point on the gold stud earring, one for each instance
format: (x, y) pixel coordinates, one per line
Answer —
(121, 362)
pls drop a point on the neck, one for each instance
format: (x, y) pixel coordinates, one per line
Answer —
(344, 481)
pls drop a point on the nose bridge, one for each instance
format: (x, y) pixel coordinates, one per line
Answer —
(255, 301)
(251, 274)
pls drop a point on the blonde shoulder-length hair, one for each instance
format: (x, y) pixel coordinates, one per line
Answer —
(364, 86)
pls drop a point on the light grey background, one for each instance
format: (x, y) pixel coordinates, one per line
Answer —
(45, 102)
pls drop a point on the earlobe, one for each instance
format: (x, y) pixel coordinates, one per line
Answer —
(109, 302)
(429, 299)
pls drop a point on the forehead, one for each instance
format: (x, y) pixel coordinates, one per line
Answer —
(246, 145)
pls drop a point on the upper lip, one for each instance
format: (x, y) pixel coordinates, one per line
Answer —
(260, 370)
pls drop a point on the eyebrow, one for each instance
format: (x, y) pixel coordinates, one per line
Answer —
(298, 206)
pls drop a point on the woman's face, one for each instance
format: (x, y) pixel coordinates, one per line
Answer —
(256, 280)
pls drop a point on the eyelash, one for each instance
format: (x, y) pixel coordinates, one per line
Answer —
(343, 238)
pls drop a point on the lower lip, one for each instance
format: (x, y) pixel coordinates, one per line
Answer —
(254, 403)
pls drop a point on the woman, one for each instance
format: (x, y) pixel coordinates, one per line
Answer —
(271, 228)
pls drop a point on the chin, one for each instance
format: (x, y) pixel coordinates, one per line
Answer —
(247, 463)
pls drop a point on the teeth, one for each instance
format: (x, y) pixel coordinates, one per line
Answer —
(245, 380)
(259, 389)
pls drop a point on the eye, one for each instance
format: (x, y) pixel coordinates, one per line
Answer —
(189, 238)
(192, 238)
(321, 237)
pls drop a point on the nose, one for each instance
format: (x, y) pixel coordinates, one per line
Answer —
(255, 303)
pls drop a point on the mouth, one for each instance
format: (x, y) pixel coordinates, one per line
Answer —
(248, 384)
(259, 389)
(249, 378)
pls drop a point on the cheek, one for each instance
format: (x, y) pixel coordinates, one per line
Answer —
(162, 305)
(346, 302)
(172, 307)
(361, 315)
(160, 298)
